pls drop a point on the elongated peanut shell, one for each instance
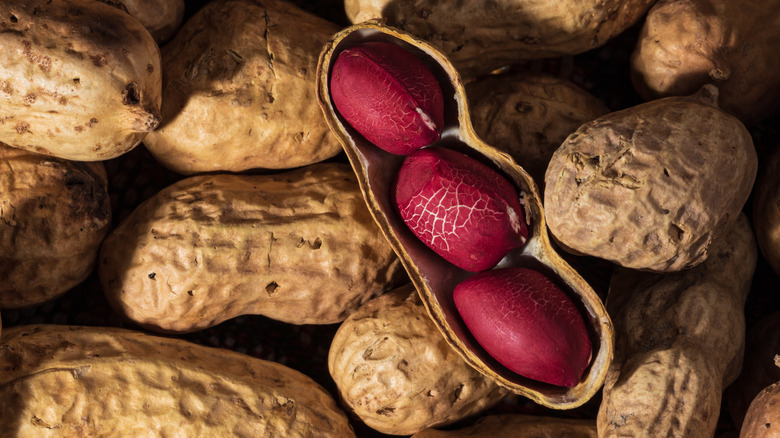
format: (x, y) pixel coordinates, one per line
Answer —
(679, 342)
(398, 374)
(763, 416)
(65, 381)
(238, 90)
(79, 79)
(299, 247)
(651, 186)
(479, 37)
(518, 426)
(54, 214)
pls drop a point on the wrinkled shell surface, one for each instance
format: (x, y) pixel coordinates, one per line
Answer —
(481, 36)
(670, 370)
(763, 416)
(398, 374)
(76, 381)
(766, 210)
(162, 18)
(529, 116)
(79, 79)
(298, 247)
(54, 213)
(685, 44)
(518, 426)
(649, 187)
(238, 90)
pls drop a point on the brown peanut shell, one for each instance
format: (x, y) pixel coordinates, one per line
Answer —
(685, 44)
(762, 344)
(398, 374)
(766, 209)
(162, 18)
(54, 214)
(518, 426)
(763, 416)
(238, 90)
(651, 186)
(679, 342)
(299, 247)
(80, 80)
(528, 116)
(65, 381)
(479, 37)
(435, 278)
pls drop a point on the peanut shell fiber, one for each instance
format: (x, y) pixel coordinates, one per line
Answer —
(298, 246)
(54, 214)
(763, 416)
(79, 80)
(238, 90)
(679, 342)
(66, 381)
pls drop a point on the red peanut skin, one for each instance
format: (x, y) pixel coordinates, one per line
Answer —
(526, 323)
(460, 208)
(389, 96)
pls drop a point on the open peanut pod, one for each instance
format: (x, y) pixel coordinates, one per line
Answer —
(434, 277)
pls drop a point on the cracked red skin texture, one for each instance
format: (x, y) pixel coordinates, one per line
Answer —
(460, 208)
(528, 324)
(389, 96)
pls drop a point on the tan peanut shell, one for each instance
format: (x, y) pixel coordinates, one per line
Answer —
(162, 18)
(528, 116)
(435, 278)
(679, 342)
(518, 426)
(299, 247)
(396, 372)
(649, 187)
(238, 90)
(80, 80)
(685, 44)
(54, 214)
(762, 419)
(766, 209)
(65, 381)
(479, 37)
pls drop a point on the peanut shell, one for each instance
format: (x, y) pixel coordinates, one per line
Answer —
(528, 116)
(762, 344)
(679, 342)
(685, 44)
(396, 372)
(763, 416)
(54, 214)
(65, 381)
(434, 277)
(239, 90)
(80, 80)
(766, 209)
(162, 18)
(649, 187)
(518, 426)
(299, 247)
(479, 37)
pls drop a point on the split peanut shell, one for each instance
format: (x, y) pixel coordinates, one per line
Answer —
(434, 277)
